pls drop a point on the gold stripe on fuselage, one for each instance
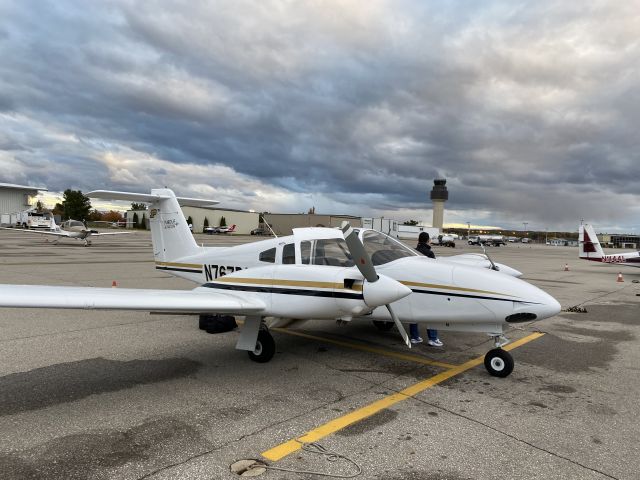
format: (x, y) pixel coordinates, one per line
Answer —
(172, 264)
(451, 287)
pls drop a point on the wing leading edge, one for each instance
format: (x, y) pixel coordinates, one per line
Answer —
(199, 300)
(39, 232)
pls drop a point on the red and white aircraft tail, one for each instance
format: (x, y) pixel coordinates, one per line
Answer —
(590, 249)
(589, 244)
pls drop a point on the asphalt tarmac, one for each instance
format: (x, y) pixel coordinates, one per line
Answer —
(131, 395)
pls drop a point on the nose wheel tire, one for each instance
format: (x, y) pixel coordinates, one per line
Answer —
(383, 326)
(265, 348)
(498, 362)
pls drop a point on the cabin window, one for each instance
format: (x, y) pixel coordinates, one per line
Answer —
(288, 254)
(333, 252)
(268, 256)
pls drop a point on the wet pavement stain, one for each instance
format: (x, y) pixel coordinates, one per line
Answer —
(370, 423)
(553, 388)
(68, 382)
(98, 454)
(612, 335)
(567, 356)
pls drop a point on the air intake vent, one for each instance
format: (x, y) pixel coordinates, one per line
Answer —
(521, 317)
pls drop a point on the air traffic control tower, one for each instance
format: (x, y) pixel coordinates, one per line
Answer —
(439, 195)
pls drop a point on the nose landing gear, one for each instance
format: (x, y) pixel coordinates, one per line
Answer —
(499, 362)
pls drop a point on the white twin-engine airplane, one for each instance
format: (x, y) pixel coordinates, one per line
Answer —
(316, 273)
(590, 249)
(70, 229)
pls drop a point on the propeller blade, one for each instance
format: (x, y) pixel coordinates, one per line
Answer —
(399, 326)
(359, 254)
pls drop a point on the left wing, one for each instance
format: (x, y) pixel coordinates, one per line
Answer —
(199, 300)
(60, 233)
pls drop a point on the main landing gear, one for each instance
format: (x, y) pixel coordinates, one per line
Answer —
(256, 340)
(265, 347)
(499, 362)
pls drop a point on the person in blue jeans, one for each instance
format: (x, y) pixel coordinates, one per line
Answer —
(432, 334)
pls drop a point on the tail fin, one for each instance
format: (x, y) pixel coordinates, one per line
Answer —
(170, 234)
(589, 244)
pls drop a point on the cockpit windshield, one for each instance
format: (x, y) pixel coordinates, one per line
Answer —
(384, 249)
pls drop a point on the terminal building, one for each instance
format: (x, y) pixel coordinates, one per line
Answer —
(619, 240)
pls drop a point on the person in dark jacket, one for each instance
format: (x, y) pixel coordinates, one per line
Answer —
(425, 249)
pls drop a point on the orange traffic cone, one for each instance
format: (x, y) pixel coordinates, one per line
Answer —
(114, 284)
(620, 279)
(566, 267)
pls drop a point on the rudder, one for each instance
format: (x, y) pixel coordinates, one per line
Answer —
(589, 243)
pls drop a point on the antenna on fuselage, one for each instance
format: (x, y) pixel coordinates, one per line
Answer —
(493, 265)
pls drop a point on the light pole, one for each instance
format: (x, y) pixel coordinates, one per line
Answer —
(468, 230)
(546, 242)
(525, 228)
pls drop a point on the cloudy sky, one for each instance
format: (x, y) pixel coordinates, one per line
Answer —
(530, 109)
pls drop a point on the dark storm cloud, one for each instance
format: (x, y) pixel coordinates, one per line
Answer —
(530, 111)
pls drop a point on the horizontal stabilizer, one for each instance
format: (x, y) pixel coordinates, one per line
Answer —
(149, 198)
(200, 300)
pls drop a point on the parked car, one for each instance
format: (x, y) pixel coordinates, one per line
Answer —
(259, 231)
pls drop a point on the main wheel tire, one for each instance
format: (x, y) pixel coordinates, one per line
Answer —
(383, 326)
(498, 362)
(265, 347)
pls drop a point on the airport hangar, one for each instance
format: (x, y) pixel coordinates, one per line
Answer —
(17, 198)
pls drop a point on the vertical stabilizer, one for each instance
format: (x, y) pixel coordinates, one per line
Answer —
(589, 244)
(170, 234)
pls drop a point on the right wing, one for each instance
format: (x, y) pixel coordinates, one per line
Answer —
(199, 300)
(61, 233)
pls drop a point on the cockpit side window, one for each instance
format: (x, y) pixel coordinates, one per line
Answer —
(288, 254)
(384, 249)
(268, 256)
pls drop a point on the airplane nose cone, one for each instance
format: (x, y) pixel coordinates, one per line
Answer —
(541, 305)
(550, 307)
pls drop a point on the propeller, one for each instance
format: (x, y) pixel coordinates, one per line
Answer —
(380, 290)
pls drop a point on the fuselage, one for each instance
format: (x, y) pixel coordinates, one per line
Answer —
(443, 294)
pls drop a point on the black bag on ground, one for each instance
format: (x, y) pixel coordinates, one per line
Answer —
(217, 323)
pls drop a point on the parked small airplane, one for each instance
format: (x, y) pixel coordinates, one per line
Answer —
(590, 249)
(225, 229)
(316, 273)
(71, 229)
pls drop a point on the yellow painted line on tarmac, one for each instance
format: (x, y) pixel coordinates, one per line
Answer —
(277, 453)
(367, 348)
